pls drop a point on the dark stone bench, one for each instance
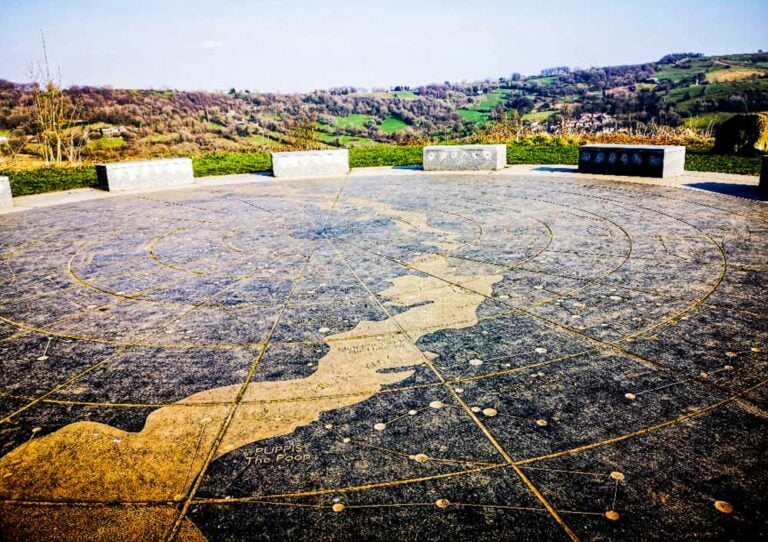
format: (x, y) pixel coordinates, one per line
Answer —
(633, 160)
(764, 176)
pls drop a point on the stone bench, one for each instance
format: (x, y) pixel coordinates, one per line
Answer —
(633, 160)
(310, 163)
(464, 157)
(5, 193)
(145, 174)
(763, 188)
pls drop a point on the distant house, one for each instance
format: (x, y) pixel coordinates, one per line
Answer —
(593, 123)
(111, 131)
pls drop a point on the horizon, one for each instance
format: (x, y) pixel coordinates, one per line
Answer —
(387, 88)
(210, 48)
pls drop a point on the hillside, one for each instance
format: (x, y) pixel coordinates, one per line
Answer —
(678, 90)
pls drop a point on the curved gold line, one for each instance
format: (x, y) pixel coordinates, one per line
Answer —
(645, 430)
(349, 489)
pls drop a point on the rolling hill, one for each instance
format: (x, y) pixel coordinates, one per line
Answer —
(678, 90)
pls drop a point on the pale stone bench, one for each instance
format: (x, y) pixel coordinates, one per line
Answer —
(464, 157)
(6, 200)
(310, 163)
(145, 174)
(633, 160)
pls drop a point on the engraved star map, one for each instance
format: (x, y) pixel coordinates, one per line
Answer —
(463, 357)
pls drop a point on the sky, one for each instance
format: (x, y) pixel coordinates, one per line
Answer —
(294, 46)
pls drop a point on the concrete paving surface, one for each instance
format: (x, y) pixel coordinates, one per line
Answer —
(529, 354)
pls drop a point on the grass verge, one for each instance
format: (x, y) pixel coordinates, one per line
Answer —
(37, 181)
(703, 160)
(231, 163)
(42, 180)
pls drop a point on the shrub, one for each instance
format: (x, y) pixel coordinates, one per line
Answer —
(50, 179)
(698, 158)
(743, 134)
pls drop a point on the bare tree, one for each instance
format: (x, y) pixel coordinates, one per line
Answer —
(507, 127)
(567, 113)
(9, 149)
(302, 131)
(60, 136)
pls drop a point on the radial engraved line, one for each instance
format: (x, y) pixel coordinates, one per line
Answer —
(496, 444)
(197, 480)
(614, 346)
(120, 350)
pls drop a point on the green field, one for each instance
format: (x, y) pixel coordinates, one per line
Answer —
(405, 94)
(479, 110)
(548, 80)
(106, 143)
(723, 90)
(674, 74)
(392, 124)
(677, 95)
(714, 91)
(478, 117)
(325, 137)
(539, 116)
(353, 121)
(677, 72)
(336, 140)
(488, 101)
(715, 70)
(707, 120)
(324, 133)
